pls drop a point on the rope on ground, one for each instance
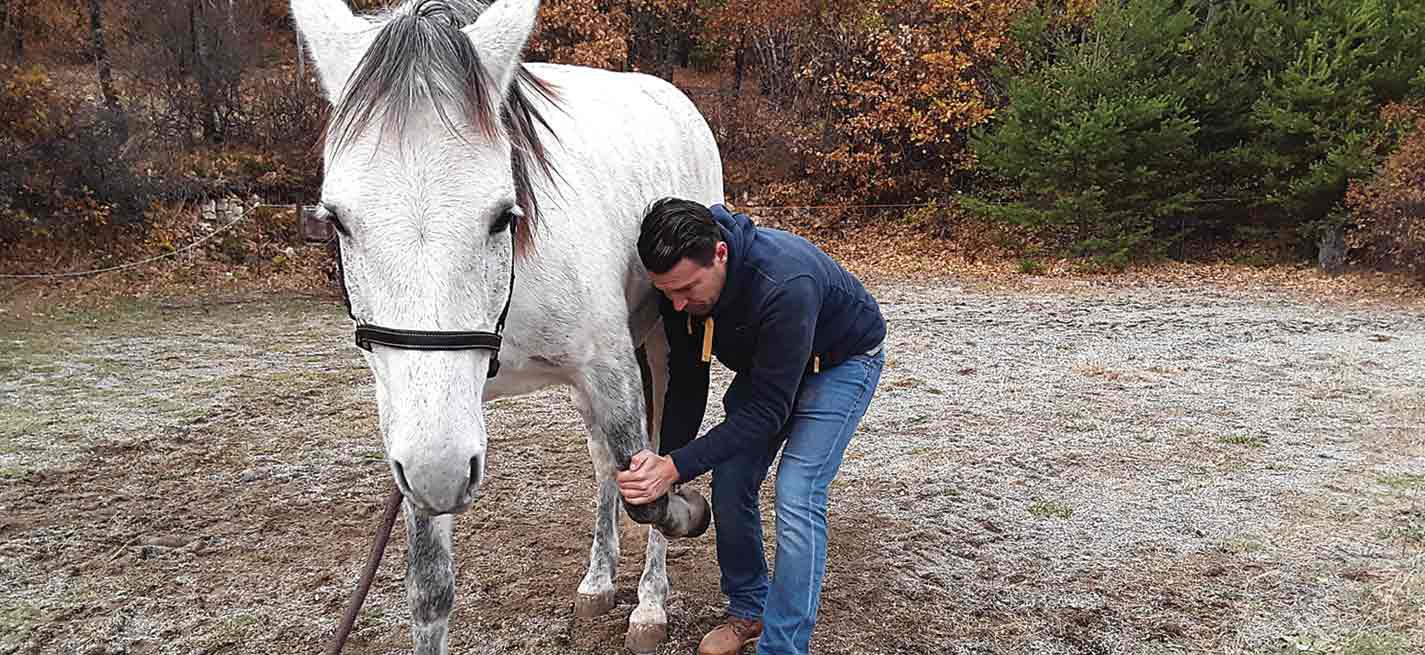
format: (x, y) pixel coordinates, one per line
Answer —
(141, 262)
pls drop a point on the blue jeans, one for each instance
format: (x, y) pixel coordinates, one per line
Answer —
(828, 409)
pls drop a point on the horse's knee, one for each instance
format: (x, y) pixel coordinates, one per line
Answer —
(432, 600)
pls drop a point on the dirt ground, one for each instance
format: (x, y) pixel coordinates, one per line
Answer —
(1082, 469)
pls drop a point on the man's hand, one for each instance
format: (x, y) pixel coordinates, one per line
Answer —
(648, 477)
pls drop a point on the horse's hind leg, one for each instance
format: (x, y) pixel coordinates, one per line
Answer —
(430, 579)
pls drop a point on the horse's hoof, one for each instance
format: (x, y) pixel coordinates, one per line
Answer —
(644, 638)
(699, 514)
(588, 606)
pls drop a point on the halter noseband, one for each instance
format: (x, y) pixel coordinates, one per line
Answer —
(367, 334)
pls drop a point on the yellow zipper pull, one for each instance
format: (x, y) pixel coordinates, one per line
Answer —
(816, 364)
(707, 339)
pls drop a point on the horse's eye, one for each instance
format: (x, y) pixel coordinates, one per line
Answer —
(331, 215)
(506, 219)
(318, 222)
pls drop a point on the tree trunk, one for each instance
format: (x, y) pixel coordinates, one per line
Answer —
(665, 59)
(10, 26)
(203, 73)
(741, 66)
(191, 63)
(685, 34)
(629, 41)
(1331, 254)
(767, 62)
(117, 121)
(4, 18)
(301, 57)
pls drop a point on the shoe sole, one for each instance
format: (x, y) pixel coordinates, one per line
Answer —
(745, 643)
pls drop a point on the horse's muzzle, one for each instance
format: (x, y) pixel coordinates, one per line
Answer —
(432, 493)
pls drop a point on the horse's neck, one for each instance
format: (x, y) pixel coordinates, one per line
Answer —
(621, 141)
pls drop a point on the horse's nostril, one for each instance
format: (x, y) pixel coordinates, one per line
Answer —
(401, 477)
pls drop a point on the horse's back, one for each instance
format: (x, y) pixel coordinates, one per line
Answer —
(631, 134)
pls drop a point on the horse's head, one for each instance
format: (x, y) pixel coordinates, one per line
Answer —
(427, 156)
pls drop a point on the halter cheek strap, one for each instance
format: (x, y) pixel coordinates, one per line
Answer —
(367, 334)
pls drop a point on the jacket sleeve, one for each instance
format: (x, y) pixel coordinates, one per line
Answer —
(687, 398)
(784, 343)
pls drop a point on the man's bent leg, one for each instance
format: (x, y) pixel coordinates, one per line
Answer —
(828, 410)
(736, 484)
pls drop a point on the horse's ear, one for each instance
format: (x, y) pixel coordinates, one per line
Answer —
(336, 37)
(500, 34)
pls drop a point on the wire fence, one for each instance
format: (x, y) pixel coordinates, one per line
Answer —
(233, 223)
(148, 260)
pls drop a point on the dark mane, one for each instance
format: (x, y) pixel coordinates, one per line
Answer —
(421, 55)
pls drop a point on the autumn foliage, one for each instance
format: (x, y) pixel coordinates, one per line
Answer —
(1389, 208)
(1119, 130)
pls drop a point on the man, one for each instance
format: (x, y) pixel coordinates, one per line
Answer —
(804, 338)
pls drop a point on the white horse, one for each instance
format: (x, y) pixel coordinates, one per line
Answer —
(453, 170)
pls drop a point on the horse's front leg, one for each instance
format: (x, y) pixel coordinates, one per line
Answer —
(596, 591)
(611, 396)
(612, 392)
(648, 625)
(430, 579)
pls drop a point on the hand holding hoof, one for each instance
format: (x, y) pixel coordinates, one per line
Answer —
(681, 513)
(651, 496)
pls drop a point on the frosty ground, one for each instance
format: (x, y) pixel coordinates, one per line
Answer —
(1091, 470)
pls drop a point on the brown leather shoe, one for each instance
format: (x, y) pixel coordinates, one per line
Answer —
(730, 637)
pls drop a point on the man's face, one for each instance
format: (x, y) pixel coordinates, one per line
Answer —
(694, 288)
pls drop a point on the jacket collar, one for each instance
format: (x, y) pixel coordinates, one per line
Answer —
(738, 233)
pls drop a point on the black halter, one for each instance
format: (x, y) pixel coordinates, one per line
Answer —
(367, 334)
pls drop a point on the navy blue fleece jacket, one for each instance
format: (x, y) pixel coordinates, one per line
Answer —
(784, 303)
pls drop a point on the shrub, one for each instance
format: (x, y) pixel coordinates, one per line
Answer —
(65, 174)
(894, 89)
(191, 59)
(583, 32)
(1388, 210)
(1313, 120)
(1098, 152)
(1161, 118)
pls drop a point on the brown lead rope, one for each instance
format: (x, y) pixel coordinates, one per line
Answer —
(373, 560)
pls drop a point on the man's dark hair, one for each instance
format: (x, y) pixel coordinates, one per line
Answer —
(674, 228)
